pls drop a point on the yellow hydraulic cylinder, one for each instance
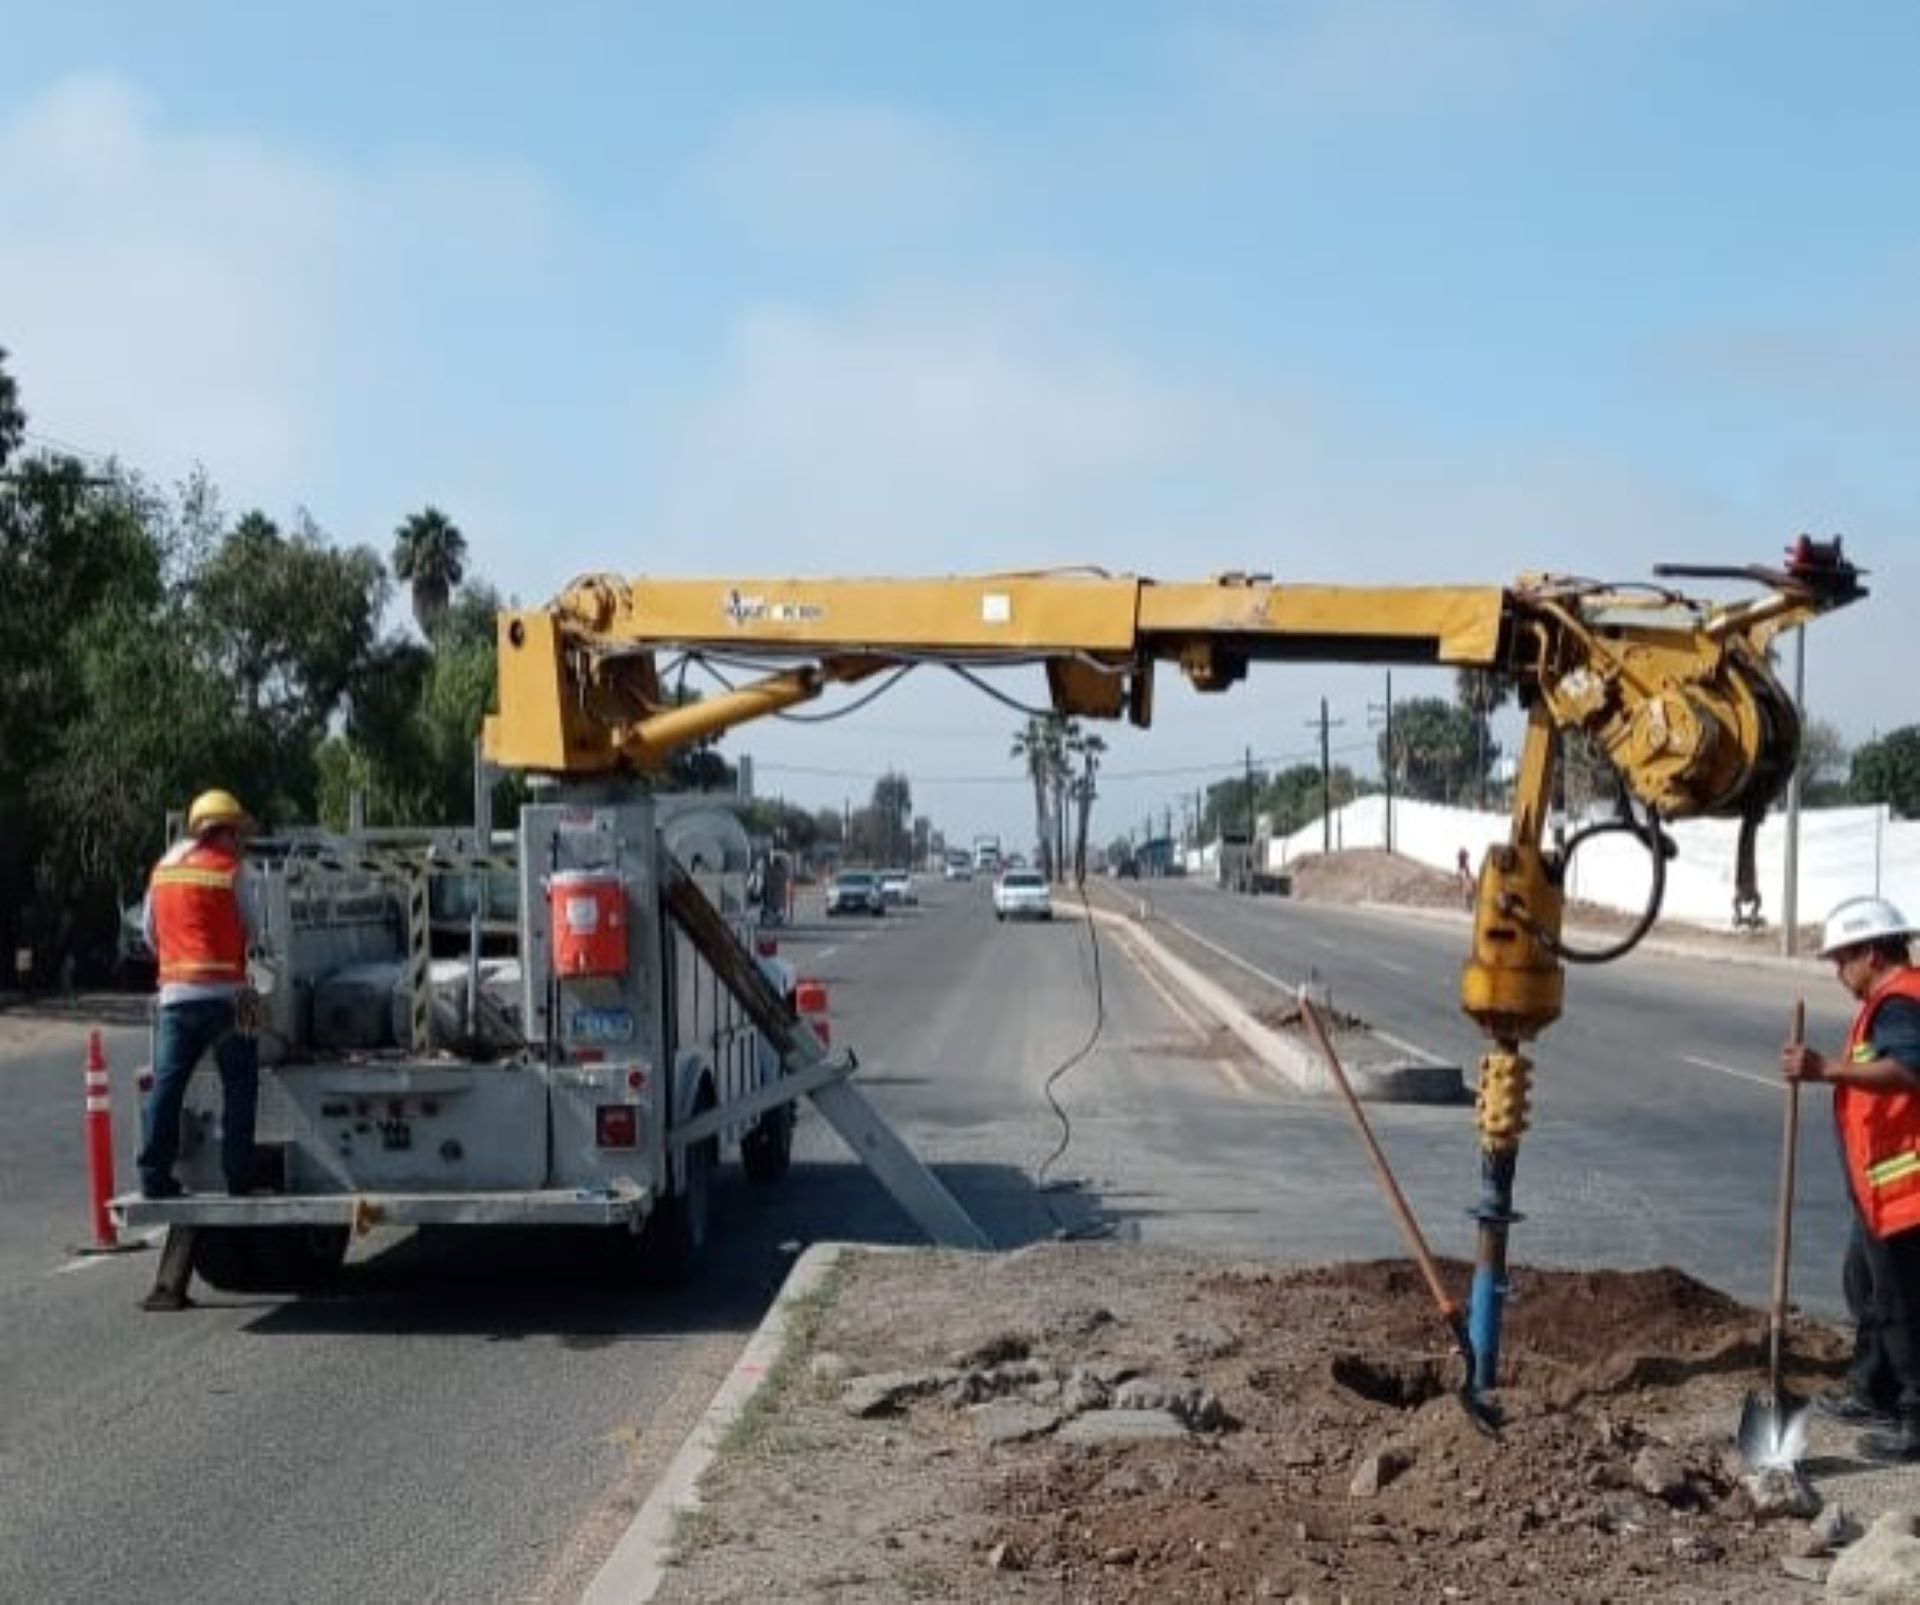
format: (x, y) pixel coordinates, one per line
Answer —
(1513, 984)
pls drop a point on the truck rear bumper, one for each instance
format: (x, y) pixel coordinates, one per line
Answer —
(568, 1206)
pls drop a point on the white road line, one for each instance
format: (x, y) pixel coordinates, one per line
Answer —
(82, 1262)
(1388, 964)
(1774, 1082)
(1185, 1015)
(1321, 941)
(823, 952)
(1284, 985)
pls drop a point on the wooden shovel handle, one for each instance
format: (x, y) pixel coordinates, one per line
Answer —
(1396, 1200)
(1789, 1151)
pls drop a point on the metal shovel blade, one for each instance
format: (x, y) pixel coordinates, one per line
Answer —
(1772, 1431)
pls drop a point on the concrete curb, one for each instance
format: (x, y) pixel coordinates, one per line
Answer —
(1296, 1063)
(634, 1571)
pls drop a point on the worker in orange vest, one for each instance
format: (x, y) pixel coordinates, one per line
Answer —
(201, 919)
(1876, 1108)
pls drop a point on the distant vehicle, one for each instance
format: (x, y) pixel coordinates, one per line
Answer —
(1022, 894)
(986, 854)
(958, 867)
(896, 888)
(855, 891)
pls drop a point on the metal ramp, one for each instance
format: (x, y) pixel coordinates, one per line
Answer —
(810, 1070)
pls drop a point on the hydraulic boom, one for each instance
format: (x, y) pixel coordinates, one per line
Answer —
(1677, 693)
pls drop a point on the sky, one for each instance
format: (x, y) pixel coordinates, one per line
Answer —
(1381, 291)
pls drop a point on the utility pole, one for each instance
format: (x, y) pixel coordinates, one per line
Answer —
(1386, 763)
(1790, 896)
(1326, 777)
(1247, 871)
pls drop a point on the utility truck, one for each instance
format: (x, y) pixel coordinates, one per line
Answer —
(636, 1027)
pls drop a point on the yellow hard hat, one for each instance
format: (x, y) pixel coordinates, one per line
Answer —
(215, 808)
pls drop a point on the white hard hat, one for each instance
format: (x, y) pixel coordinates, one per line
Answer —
(1860, 920)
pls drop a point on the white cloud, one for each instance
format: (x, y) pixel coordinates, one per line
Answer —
(175, 296)
(1309, 59)
(1009, 426)
(842, 175)
(967, 429)
(1861, 367)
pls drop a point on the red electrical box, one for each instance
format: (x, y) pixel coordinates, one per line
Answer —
(588, 908)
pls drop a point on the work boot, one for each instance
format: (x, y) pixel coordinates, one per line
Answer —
(1901, 1446)
(1855, 1409)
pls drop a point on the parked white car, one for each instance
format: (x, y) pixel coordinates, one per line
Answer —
(1022, 894)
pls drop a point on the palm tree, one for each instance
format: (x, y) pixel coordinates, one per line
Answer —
(430, 555)
(1088, 749)
(1038, 745)
(1480, 692)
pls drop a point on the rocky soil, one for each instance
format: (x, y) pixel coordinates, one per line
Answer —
(1099, 1423)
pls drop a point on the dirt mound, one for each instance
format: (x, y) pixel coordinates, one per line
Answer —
(1368, 875)
(1323, 1454)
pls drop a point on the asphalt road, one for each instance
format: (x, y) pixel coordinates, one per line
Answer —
(475, 1419)
(1657, 1107)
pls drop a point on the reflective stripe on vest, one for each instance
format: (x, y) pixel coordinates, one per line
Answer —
(1880, 1131)
(198, 932)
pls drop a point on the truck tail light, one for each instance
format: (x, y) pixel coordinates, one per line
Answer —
(616, 1125)
(767, 946)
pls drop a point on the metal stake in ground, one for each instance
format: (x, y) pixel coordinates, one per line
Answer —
(1479, 1410)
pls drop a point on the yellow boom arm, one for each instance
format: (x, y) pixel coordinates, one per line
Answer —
(1677, 693)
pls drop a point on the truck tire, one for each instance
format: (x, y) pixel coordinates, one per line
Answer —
(766, 1152)
(673, 1243)
(269, 1259)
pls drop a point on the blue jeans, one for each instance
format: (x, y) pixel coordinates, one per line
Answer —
(185, 1033)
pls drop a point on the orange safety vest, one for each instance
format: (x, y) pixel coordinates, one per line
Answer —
(196, 918)
(1880, 1131)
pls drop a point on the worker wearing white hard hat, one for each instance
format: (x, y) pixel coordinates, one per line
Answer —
(1876, 1108)
(200, 922)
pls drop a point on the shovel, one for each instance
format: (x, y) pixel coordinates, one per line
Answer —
(1479, 1410)
(1773, 1424)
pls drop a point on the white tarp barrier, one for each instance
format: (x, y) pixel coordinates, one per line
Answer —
(1844, 852)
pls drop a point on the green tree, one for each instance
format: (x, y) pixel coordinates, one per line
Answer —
(892, 814)
(1480, 694)
(1824, 762)
(82, 575)
(1088, 747)
(472, 616)
(1231, 804)
(430, 557)
(1887, 770)
(289, 622)
(1041, 747)
(13, 421)
(1436, 746)
(1586, 778)
(1292, 798)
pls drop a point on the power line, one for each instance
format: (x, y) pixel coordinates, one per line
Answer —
(55, 443)
(1223, 769)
